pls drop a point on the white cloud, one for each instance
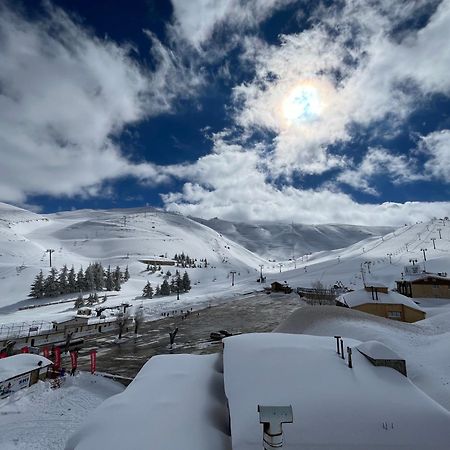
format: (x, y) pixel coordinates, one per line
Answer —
(437, 146)
(398, 169)
(64, 95)
(360, 74)
(196, 20)
(232, 183)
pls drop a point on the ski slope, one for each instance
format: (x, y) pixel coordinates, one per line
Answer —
(123, 237)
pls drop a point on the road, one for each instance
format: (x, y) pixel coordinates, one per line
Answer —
(253, 313)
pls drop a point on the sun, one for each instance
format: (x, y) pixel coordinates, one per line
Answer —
(302, 104)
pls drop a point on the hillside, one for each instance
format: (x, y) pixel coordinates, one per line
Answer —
(123, 237)
(281, 241)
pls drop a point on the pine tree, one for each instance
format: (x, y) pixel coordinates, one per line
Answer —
(148, 290)
(117, 276)
(62, 280)
(157, 290)
(51, 285)
(109, 283)
(186, 282)
(37, 288)
(165, 288)
(126, 275)
(81, 286)
(79, 302)
(98, 273)
(89, 278)
(71, 281)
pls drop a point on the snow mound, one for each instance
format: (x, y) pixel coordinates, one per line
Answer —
(334, 407)
(175, 402)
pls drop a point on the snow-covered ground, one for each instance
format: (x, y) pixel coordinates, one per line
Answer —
(42, 418)
(122, 237)
(425, 345)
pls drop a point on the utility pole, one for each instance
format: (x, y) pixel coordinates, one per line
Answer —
(280, 266)
(390, 257)
(434, 242)
(261, 274)
(424, 255)
(368, 263)
(413, 261)
(439, 231)
(50, 251)
(233, 272)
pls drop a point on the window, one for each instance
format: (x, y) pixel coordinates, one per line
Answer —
(435, 286)
(394, 315)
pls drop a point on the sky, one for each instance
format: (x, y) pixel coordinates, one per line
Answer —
(258, 110)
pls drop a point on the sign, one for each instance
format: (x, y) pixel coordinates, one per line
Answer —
(93, 360)
(57, 360)
(74, 359)
(14, 384)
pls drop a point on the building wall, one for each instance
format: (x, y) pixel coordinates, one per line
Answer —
(404, 313)
(428, 291)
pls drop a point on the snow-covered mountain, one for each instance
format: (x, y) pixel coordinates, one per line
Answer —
(281, 241)
(125, 236)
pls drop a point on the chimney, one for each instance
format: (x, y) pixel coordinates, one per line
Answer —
(272, 418)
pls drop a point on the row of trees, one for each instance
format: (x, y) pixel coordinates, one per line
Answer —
(66, 281)
(186, 261)
(178, 284)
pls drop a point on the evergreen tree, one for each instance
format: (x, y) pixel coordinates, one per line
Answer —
(126, 275)
(51, 285)
(165, 288)
(81, 286)
(109, 283)
(117, 276)
(89, 278)
(79, 302)
(62, 280)
(179, 284)
(37, 288)
(148, 290)
(186, 282)
(71, 281)
(98, 273)
(172, 286)
(157, 290)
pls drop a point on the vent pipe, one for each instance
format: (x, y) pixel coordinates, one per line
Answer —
(272, 418)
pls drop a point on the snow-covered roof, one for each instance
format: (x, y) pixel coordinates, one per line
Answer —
(334, 407)
(423, 276)
(16, 365)
(175, 402)
(377, 350)
(362, 297)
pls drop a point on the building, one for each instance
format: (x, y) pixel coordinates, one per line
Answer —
(379, 301)
(211, 402)
(157, 261)
(425, 285)
(20, 371)
(73, 324)
(281, 287)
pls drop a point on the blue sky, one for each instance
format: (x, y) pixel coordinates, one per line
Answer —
(317, 112)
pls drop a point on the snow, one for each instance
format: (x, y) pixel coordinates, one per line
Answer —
(377, 350)
(334, 407)
(41, 418)
(425, 345)
(16, 365)
(175, 402)
(282, 241)
(362, 297)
